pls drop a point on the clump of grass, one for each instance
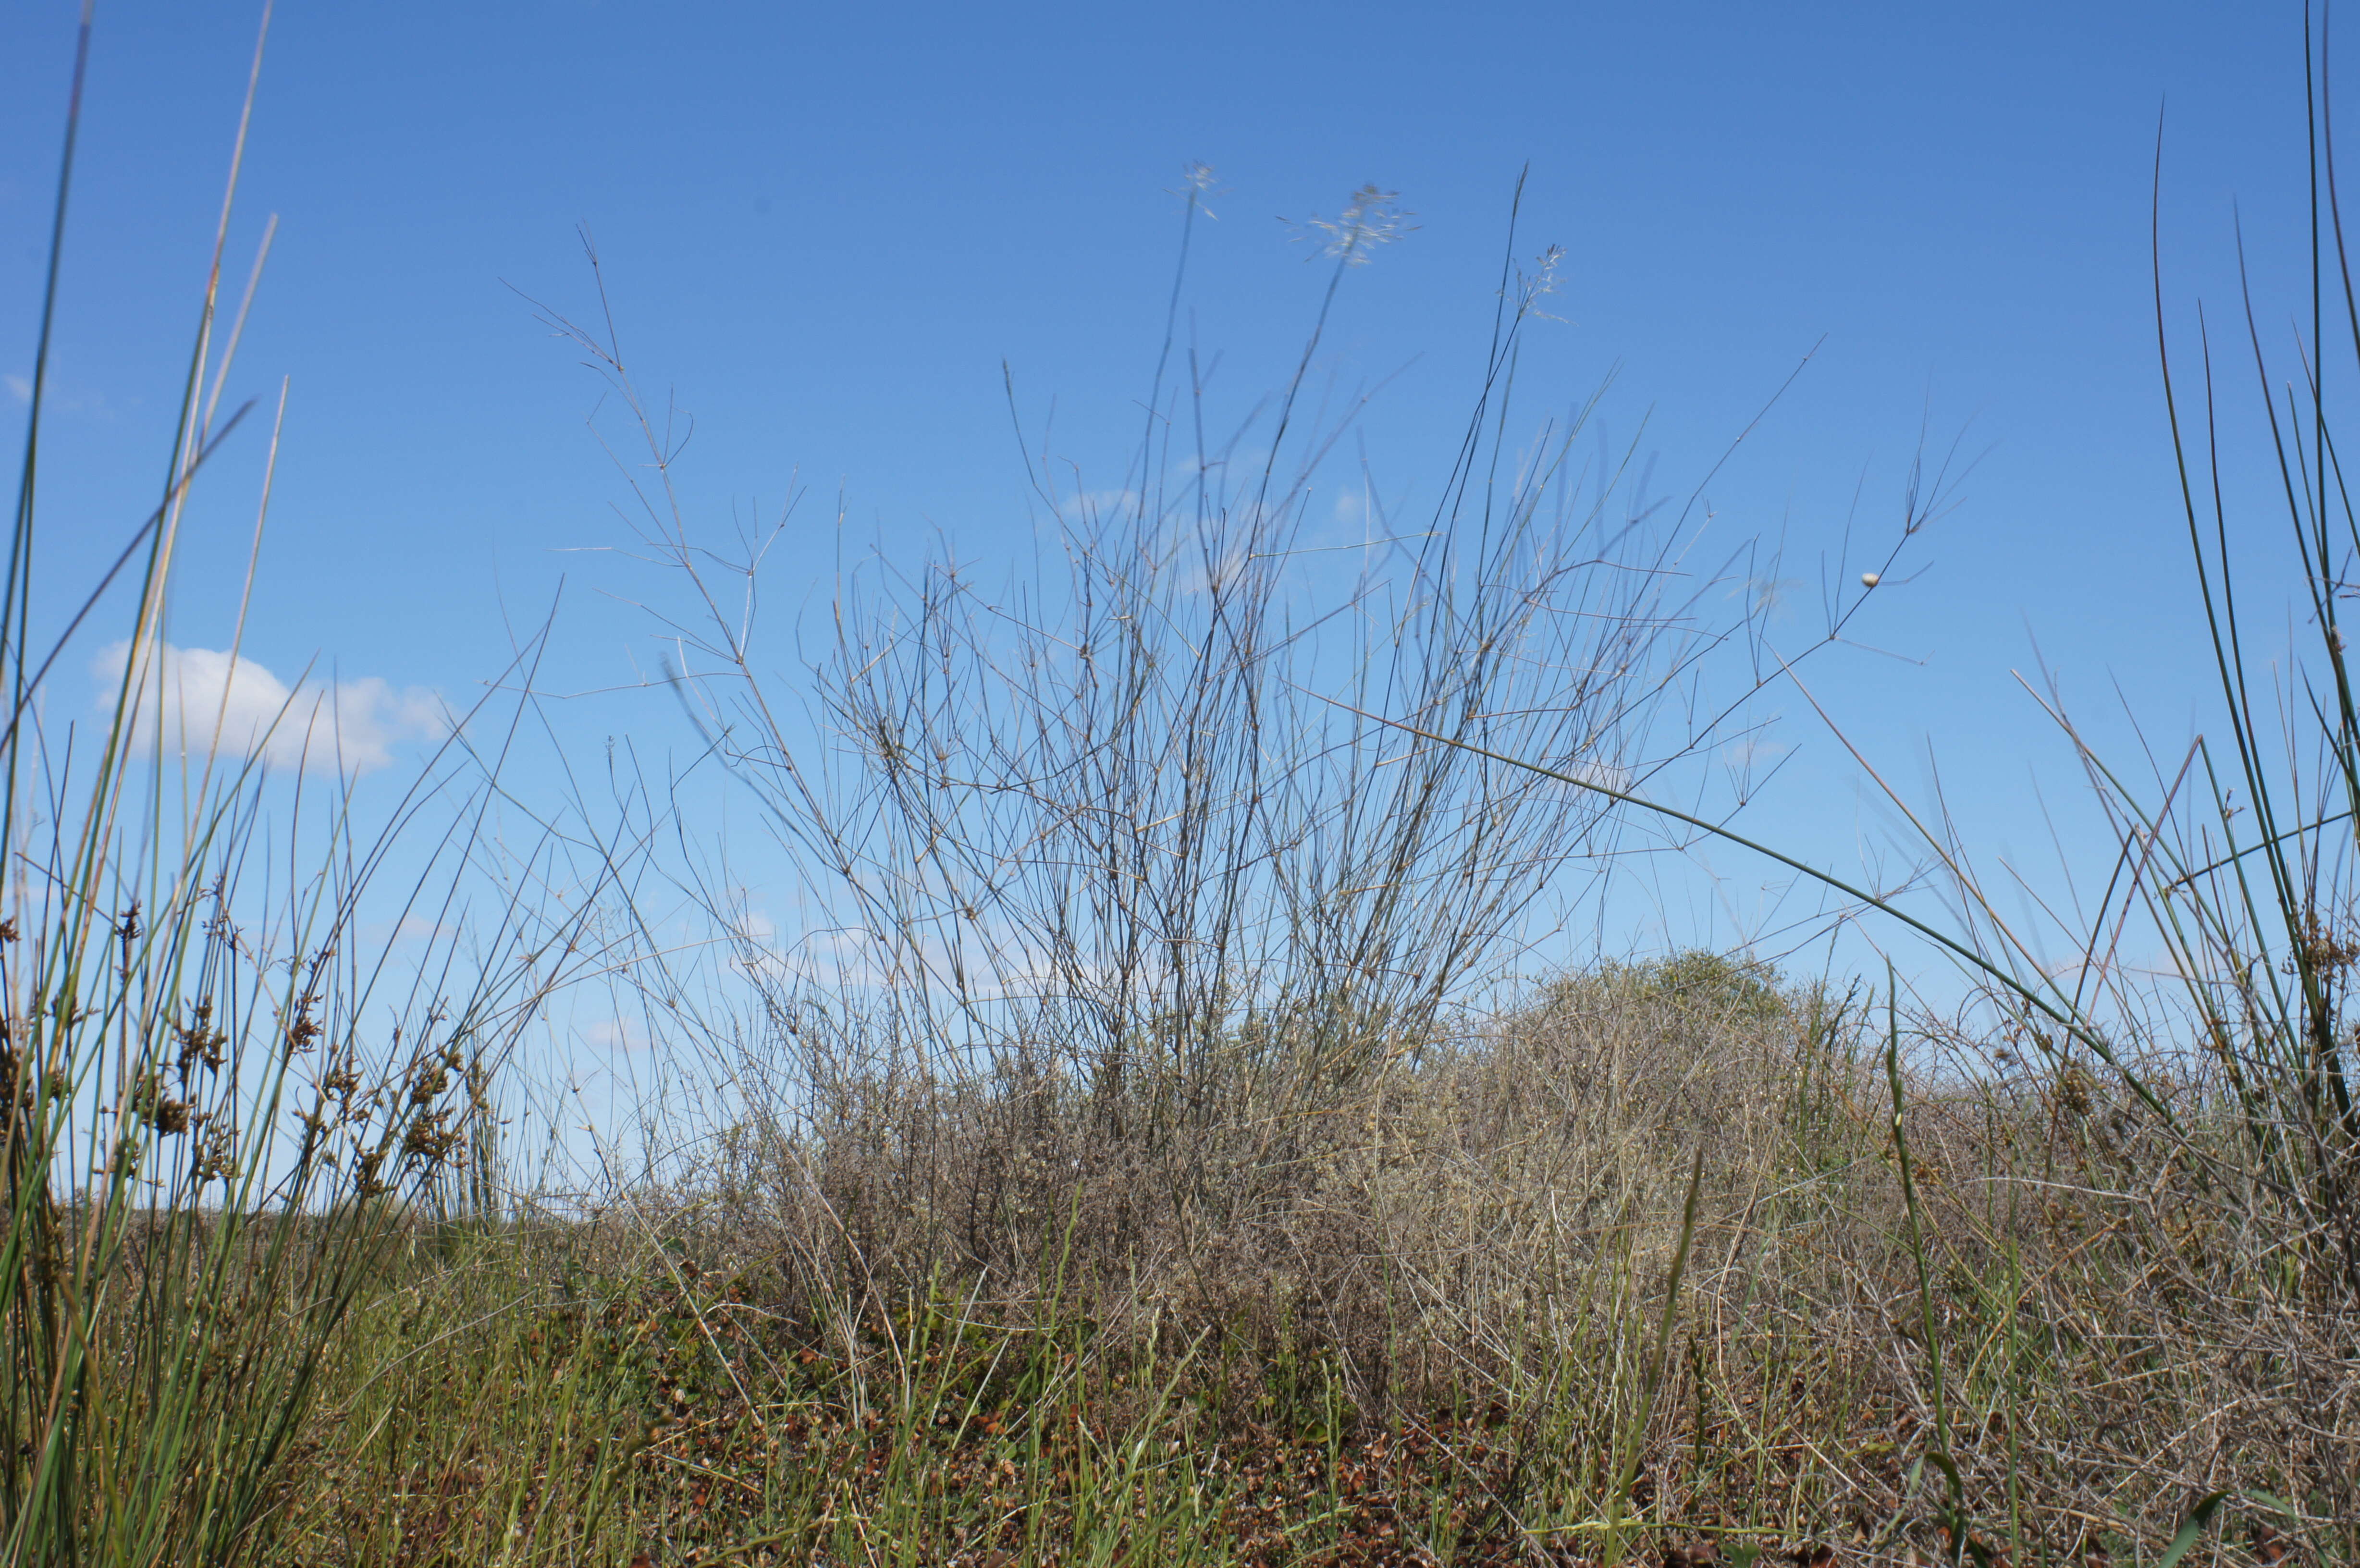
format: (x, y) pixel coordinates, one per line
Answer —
(1168, 1022)
(223, 1113)
(1462, 1345)
(1162, 1017)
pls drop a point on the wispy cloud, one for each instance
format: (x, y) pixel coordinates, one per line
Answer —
(1605, 775)
(202, 700)
(1750, 752)
(620, 1035)
(56, 397)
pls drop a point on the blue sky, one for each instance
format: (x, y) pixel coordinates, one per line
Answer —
(827, 229)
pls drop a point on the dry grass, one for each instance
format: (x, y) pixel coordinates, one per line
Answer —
(1429, 1343)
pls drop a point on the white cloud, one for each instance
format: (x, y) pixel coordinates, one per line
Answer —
(1755, 751)
(1104, 503)
(1605, 775)
(620, 1035)
(56, 395)
(203, 700)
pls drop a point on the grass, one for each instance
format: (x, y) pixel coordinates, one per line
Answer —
(1175, 1171)
(1446, 1350)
